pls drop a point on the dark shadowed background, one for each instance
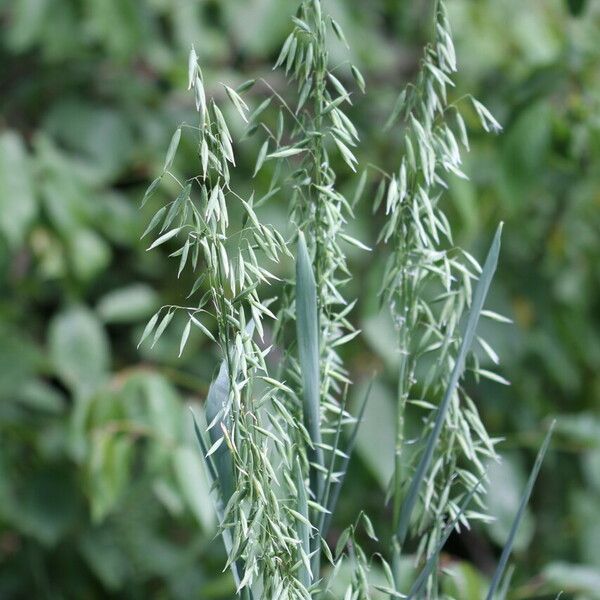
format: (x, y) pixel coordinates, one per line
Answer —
(102, 490)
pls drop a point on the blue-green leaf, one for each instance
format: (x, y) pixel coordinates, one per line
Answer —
(519, 516)
(307, 327)
(479, 297)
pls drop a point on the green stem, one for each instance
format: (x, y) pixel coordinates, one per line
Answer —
(318, 154)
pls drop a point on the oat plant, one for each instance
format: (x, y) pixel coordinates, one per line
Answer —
(276, 432)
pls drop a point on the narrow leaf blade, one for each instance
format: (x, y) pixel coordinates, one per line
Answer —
(216, 400)
(308, 347)
(479, 297)
(303, 529)
(433, 559)
(519, 516)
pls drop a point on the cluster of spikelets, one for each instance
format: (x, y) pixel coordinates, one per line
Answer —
(274, 430)
(428, 286)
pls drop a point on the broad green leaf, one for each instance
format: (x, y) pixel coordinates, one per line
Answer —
(576, 7)
(90, 254)
(582, 430)
(194, 486)
(128, 304)
(106, 559)
(162, 407)
(44, 505)
(109, 465)
(40, 396)
(16, 368)
(100, 136)
(464, 580)
(573, 579)
(377, 432)
(79, 350)
(18, 205)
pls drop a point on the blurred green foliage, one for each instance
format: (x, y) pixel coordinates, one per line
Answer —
(102, 490)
